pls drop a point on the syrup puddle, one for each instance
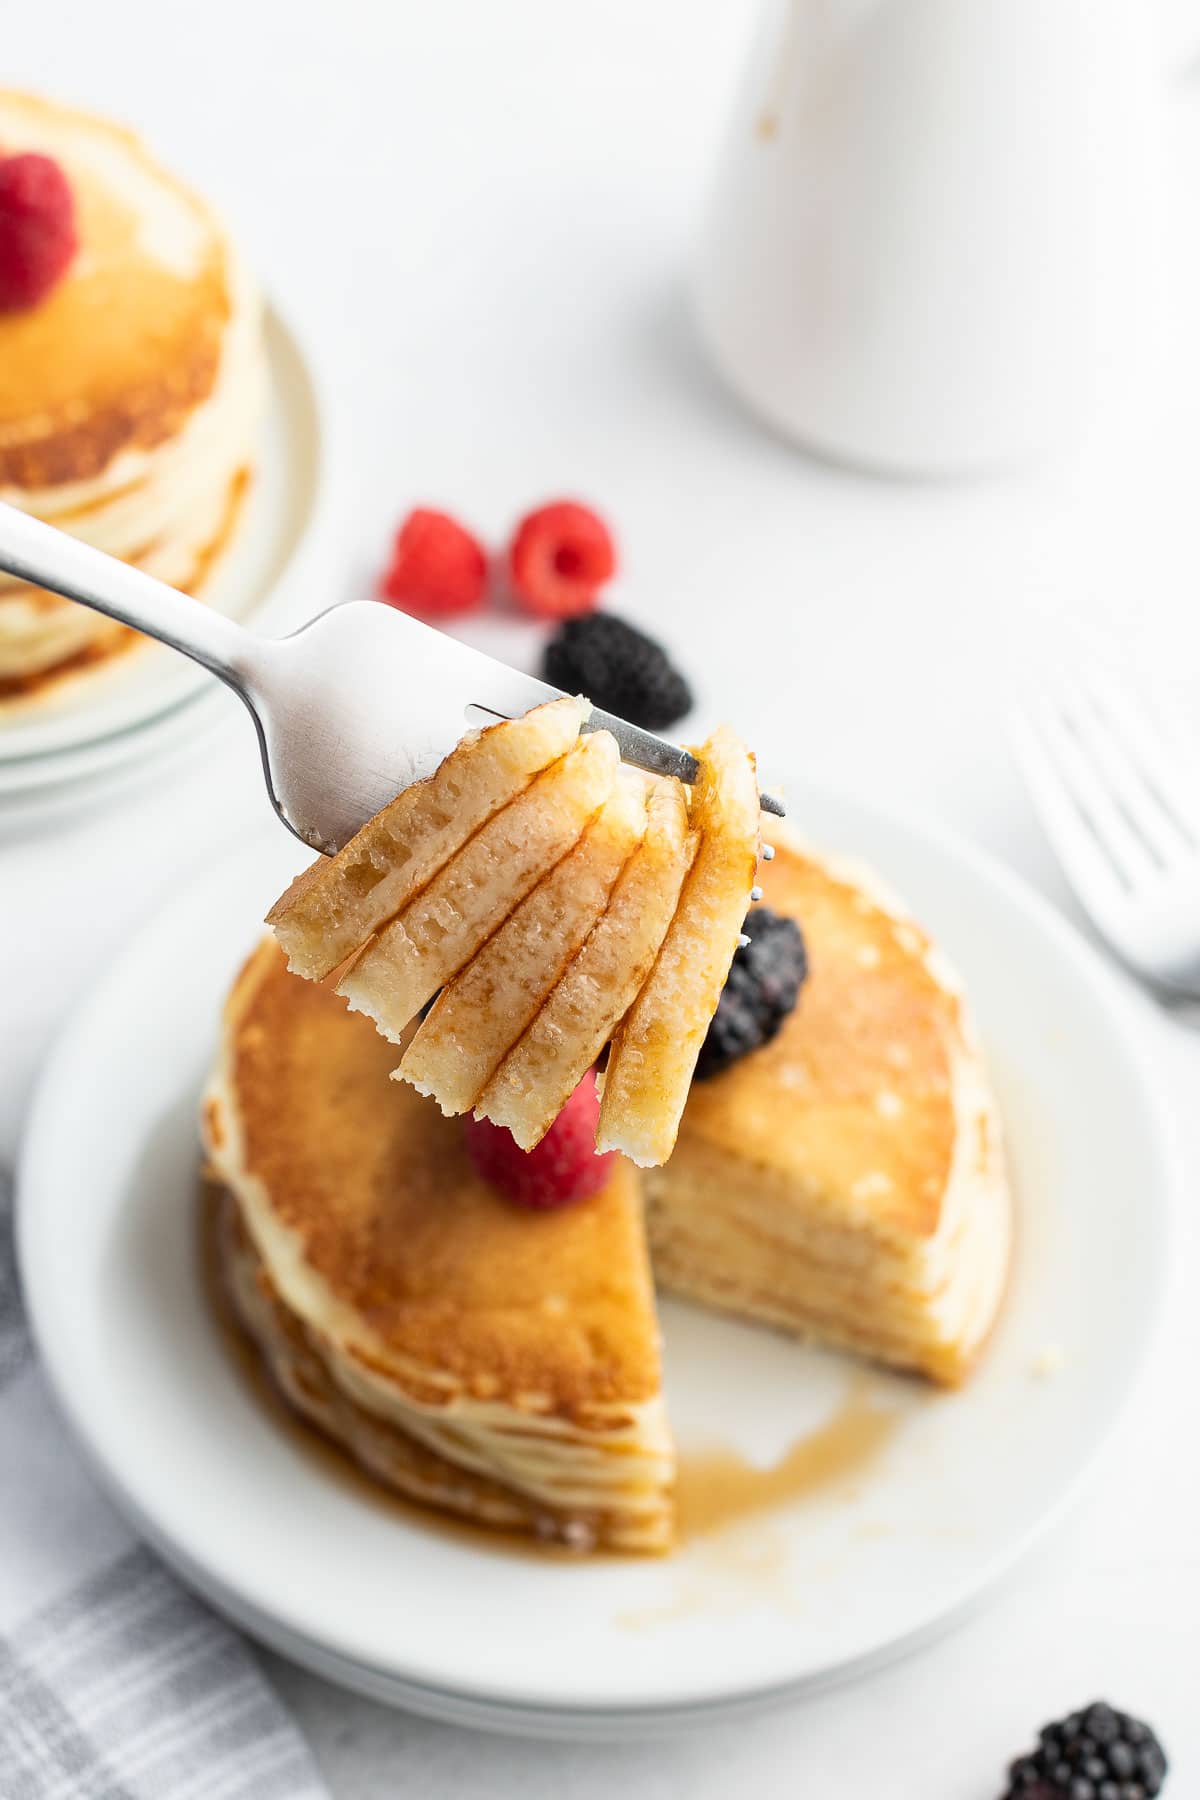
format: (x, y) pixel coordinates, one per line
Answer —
(718, 1488)
(739, 1557)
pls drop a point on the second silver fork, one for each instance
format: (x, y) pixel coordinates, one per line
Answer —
(1119, 799)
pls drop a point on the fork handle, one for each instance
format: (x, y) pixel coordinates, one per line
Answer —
(36, 552)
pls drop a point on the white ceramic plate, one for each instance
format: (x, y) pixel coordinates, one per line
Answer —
(110, 772)
(96, 719)
(822, 1586)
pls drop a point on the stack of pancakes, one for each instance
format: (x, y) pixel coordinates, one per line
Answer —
(130, 396)
(498, 1363)
(844, 1182)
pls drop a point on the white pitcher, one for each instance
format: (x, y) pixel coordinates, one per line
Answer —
(935, 237)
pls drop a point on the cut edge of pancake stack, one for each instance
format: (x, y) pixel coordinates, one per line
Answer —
(130, 396)
(499, 1364)
(551, 900)
(847, 1181)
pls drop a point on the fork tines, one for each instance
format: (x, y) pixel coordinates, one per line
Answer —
(1114, 794)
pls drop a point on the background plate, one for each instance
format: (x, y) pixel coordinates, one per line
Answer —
(460, 1626)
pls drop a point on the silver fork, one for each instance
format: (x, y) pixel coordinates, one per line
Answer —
(1121, 806)
(351, 708)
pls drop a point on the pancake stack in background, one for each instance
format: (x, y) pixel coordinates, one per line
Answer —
(130, 394)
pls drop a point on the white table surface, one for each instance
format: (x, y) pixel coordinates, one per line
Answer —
(481, 216)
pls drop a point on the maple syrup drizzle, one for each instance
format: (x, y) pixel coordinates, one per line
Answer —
(719, 1487)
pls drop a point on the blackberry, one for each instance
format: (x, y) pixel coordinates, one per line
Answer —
(619, 669)
(1095, 1754)
(760, 991)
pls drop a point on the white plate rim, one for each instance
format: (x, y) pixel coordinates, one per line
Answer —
(328, 1647)
(477, 1711)
(26, 778)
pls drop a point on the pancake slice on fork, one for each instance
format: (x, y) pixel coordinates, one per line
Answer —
(542, 1070)
(478, 1017)
(452, 918)
(331, 910)
(654, 1053)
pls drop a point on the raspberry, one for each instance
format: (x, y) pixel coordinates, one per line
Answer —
(562, 1168)
(761, 989)
(37, 229)
(559, 559)
(438, 569)
(620, 669)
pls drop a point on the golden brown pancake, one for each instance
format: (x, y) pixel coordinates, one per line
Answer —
(519, 1346)
(478, 1017)
(295, 1360)
(544, 1067)
(654, 1050)
(450, 921)
(130, 341)
(129, 396)
(335, 905)
(847, 1181)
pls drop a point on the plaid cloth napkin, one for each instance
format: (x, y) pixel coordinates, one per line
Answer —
(115, 1684)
